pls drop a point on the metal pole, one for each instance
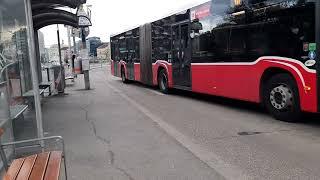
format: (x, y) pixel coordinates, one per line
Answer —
(70, 55)
(74, 45)
(69, 42)
(37, 50)
(61, 64)
(83, 38)
(59, 46)
(34, 75)
(86, 79)
(85, 72)
(74, 53)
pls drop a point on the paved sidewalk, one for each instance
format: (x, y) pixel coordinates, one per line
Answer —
(109, 138)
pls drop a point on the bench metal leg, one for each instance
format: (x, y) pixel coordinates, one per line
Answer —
(4, 159)
(65, 167)
(64, 159)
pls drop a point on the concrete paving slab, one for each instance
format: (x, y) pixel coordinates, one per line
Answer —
(107, 138)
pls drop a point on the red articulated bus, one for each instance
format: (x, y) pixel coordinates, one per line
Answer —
(262, 51)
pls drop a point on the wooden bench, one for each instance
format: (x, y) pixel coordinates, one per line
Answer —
(41, 166)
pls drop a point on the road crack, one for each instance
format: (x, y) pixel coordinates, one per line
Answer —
(106, 142)
(125, 173)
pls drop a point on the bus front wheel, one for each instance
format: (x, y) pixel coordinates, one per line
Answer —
(163, 82)
(281, 98)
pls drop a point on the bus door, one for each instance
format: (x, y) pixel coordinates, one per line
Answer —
(130, 57)
(116, 59)
(181, 55)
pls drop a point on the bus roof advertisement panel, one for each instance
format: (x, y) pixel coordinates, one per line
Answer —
(201, 11)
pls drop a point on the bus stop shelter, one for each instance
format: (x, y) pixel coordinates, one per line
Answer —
(20, 65)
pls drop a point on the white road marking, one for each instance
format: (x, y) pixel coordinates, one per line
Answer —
(274, 58)
(208, 157)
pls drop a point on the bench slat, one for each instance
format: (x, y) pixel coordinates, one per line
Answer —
(14, 169)
(40, 166)
(26, 168)
(54, 164)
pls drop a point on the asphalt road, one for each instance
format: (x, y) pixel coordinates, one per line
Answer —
(180, 136)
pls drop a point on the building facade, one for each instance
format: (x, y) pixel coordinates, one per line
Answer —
(53, 52)
(42, 49)
(92, 44)
(104, 52)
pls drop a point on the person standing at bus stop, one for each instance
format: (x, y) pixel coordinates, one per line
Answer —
(72, 64)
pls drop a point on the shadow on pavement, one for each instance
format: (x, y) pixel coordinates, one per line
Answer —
(91, 89)
(70, 84)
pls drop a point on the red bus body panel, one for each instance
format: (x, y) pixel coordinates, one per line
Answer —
(242, 80)
(137, 75)
(112, 67)
(239, 80)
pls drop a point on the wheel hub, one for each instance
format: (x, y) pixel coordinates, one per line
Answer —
(163, 81)
(123, 76)
(281, 97)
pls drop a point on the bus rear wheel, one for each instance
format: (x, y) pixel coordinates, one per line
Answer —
(123, 76)
(163, 82)
(281, 98)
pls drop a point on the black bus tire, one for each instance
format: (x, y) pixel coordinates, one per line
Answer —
(281, 98)
(123, 76)
(163, 81)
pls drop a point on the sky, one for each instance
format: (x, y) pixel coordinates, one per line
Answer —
(115, 16)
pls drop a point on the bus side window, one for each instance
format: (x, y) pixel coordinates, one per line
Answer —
(116, 50)
(211, 43)
(257, 42)
(112, 49)
(220, 44)
(123, 48)
(238, 44)
(136, 43)
(161, 40)
(131, 49)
